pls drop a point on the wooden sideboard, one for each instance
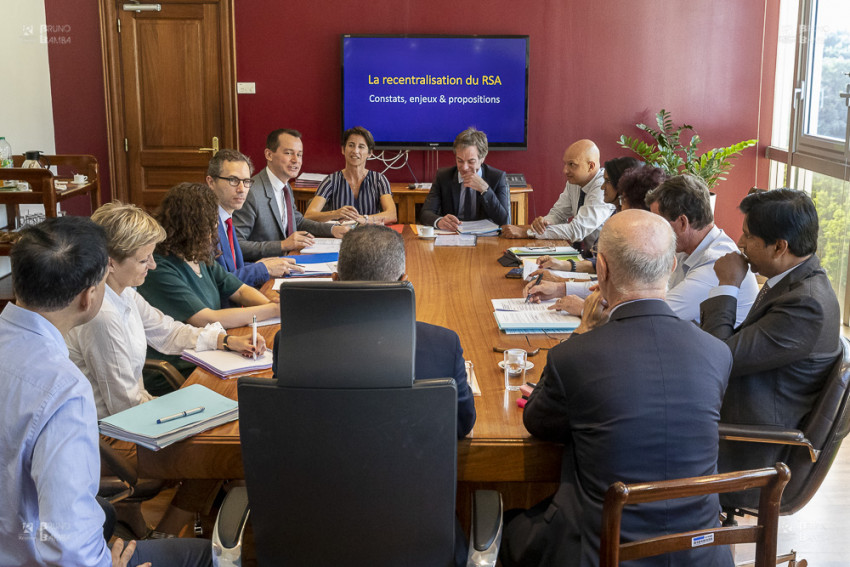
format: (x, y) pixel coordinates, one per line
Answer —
(406, 200)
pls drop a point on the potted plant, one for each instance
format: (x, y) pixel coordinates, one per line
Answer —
(669, 154)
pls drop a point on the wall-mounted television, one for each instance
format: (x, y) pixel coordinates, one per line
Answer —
(420, 91)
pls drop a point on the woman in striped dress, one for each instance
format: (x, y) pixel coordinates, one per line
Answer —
(355, 193)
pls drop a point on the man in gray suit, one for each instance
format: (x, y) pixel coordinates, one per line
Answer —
(789, 341)
(268, 223)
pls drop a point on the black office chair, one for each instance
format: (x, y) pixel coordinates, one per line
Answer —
(810, 450)
(347, 462)
(771, 482)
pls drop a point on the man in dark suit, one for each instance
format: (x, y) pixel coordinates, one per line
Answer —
(471, 190)
(268, 224)
(634, 399)
(376, 253)
(228, 175)
(789, 341)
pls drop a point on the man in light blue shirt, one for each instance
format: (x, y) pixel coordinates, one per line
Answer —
(49, 446)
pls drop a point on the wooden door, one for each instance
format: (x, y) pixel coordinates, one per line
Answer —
(170, 95)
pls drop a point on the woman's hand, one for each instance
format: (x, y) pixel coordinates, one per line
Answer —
(242, 345)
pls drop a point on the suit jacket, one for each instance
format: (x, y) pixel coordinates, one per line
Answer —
(637, 399)
(444, 197)
(258, 223)
(253, 274)
(438, 355)
(782, 352)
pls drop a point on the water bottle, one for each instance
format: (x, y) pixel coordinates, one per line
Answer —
(6, 161)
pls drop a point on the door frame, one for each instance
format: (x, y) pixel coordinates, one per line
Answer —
(111, 57)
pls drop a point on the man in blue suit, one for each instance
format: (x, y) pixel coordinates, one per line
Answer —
(229, 177)
(376, 253)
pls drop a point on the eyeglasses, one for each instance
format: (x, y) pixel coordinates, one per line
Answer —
(235, 181)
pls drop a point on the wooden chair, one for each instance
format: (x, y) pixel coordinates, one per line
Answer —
(770, 481)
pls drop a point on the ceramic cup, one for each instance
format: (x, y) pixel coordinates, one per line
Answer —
(80, 179)
(426, 230)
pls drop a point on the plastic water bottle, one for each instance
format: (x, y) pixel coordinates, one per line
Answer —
(6, 161)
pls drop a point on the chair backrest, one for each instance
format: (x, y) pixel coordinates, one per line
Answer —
(771, 482)
(341, 334)
(350, 476)
(825, 427)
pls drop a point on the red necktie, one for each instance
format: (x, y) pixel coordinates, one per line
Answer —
(229, 224)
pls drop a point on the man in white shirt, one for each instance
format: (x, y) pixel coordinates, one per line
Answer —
(268, 223)
(685, 203)
(581, 209)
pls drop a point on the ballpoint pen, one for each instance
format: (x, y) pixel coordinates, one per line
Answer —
(188, 412)
(254, 336)
(536, 283)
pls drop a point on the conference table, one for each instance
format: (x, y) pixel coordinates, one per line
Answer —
(453, 286)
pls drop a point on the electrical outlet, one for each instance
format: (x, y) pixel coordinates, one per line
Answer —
(246, 88)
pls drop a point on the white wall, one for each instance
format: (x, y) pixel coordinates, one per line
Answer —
(26, 114)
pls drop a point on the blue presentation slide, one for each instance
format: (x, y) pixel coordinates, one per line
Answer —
(427, 90)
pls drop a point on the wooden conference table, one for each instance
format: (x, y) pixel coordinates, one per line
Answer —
(453, 289)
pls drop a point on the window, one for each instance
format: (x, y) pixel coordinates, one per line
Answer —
(810, 145)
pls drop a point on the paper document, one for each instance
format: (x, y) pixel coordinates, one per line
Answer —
(517, 304)
(471, 379)
(323, 246)
(278, 281)
(456, 240)
(529, 265)
(312, 177)
(315, 269)
(139, 424)
(544, 250)
(481, 227)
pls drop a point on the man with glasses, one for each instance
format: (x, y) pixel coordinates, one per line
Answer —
(268, 224)
(229, 177)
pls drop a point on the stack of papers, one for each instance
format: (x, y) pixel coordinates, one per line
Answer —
(544, 251)
(483, 227)
(529, 265)
(139, 424)
(515, 316)
(323, 264)
(456, 240)
(225, 364)
(309, 179)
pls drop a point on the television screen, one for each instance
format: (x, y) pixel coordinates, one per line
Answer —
(422, 91)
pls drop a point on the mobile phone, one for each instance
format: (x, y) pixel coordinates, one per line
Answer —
(515, 273)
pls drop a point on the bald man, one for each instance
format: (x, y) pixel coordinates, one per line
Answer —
(635, 399)
(580, 211)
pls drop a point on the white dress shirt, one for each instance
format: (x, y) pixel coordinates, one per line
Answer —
(585, 219)
(277, 187)
(110, 349)
(50, 463)
(694, 278)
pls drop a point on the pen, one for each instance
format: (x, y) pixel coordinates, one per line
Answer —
(537, 282)
(254, 336)
(192, 411)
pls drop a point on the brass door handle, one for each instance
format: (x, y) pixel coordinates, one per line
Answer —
(213, 149)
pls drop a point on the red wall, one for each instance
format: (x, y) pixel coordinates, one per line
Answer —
(596, 69)
(76, 78)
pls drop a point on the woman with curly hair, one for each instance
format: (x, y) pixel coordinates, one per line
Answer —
(187, 283)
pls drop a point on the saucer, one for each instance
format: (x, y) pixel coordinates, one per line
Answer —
(432, 237)
(528, 365)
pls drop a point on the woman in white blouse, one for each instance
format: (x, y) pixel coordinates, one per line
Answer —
(110, 349)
